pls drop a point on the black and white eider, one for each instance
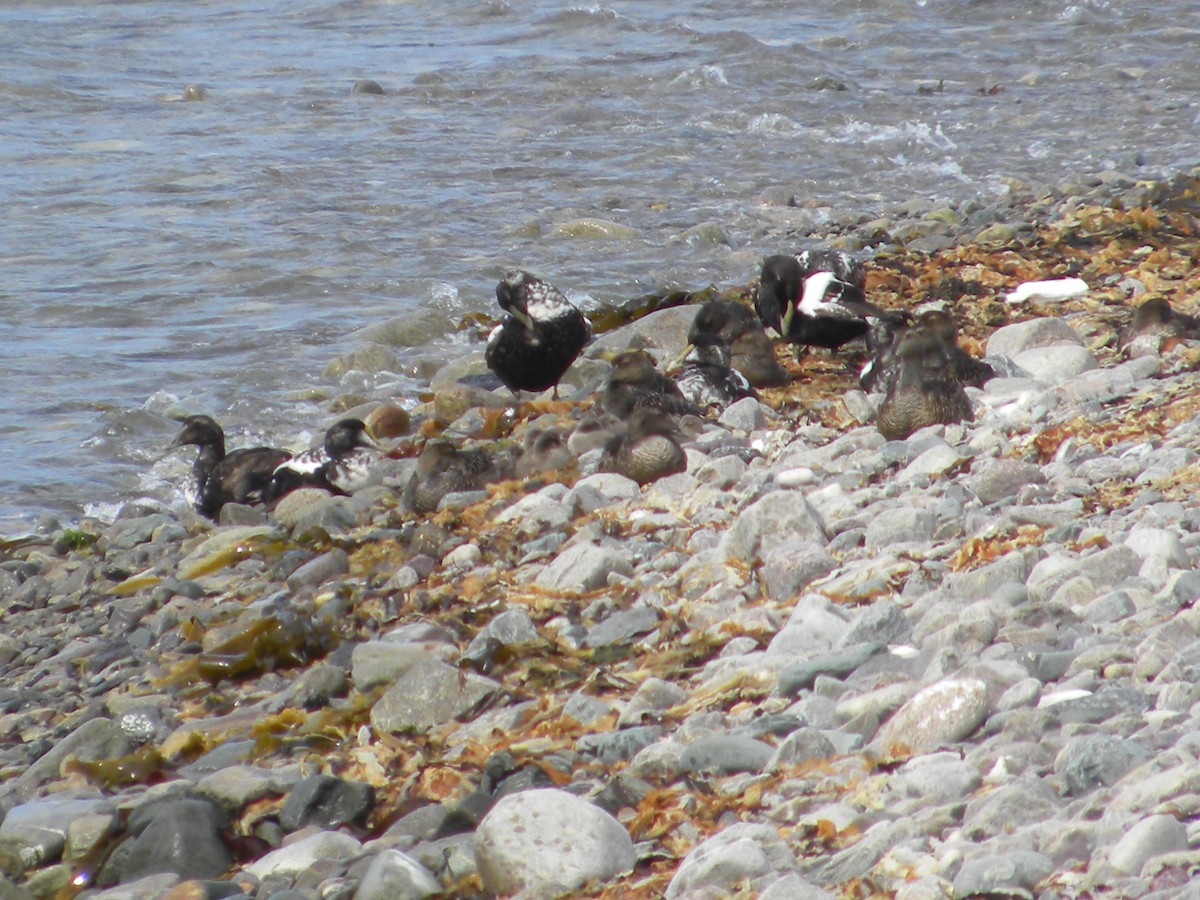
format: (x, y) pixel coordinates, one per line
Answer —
(815, 298)
(634, 382)
(541, 334)
(240, 476)
(648, 450)
(344, 463)
(704, 376)
(924, 391)
(751, 352)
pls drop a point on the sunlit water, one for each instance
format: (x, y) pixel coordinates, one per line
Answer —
(161, 256)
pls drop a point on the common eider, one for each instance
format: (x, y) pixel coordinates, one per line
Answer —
(704, 375)
(750, 350)
(924, 391)
(538, 338)
(344, 463)
(634, 382)
(1157, 318)
(881, 369)
(219, 477)
(648, 450)
(815, 298)
(443, 468)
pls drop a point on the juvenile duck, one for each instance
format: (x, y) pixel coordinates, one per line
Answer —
(750, 350)
(219, 477)
(634, 382)
(648, 450)
(343, 464)
(924, 391)
(443, 468)
(542, 450)
(538, 338)
(1157, 318)
(705, 377)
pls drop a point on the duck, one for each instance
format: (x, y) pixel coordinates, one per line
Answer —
(705, 377)
(648, 449)
(344, 463)
(924, 391)
(816, 298)
(542, 450)
(750, 350)
(881, 369)
(240, 476)
(635, 382)
(540, 335)
(444, 468)
(1157, 318)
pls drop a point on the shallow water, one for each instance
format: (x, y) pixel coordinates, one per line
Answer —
(162, 256)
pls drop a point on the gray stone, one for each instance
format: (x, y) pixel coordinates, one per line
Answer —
(1010, 807)
(536, 513)
(581, 568)
(294, 858)
(1013, 339)
(394, 875)
(428, 695)
(317, 571)
(999, 479)
(801, 746)
(383, 662)
(654, 695)
(800, 676)
(182, 837)
(610, 748)
(746, 415)
(899, 525)
(511, 628)
(326, 802)
(621, 626)
(37, 831)
(1057, 362)
(92, 740)
(942, 713)
(546, 842)
(814, 628)
(1002, 874)
(733, 856)
(725, 754)
(233, 787)
(768, 522)
(793, 565)
(1151, 837)
(883, 622)
(664, 329)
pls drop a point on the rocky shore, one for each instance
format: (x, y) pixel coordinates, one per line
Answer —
(815, 664)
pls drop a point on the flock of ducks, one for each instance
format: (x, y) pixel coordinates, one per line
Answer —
(641, 414)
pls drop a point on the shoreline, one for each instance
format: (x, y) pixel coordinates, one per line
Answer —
(743, 671)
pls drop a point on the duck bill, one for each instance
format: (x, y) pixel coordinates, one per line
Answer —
(521, 316)
(677, 363)
(785, 324)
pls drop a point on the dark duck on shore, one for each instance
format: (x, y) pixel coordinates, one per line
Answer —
(881, 370)
(924, 391)
(443, 468)
(636, 383)
(750, 350)
(816, 298)
(704, 376)
(237, 477)
(1156, 318)
(343, 464)
(648, 450)
(538, 338)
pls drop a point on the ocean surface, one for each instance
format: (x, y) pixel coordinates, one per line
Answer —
(162, 255)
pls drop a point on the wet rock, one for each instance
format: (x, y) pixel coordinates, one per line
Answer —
(294, 858)
(331, 564)
(37, 831)
(92, 740)
(182, 837)
(326, 802)
(546, 842)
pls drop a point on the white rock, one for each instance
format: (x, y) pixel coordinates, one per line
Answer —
(547, 842)
(292, 859)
